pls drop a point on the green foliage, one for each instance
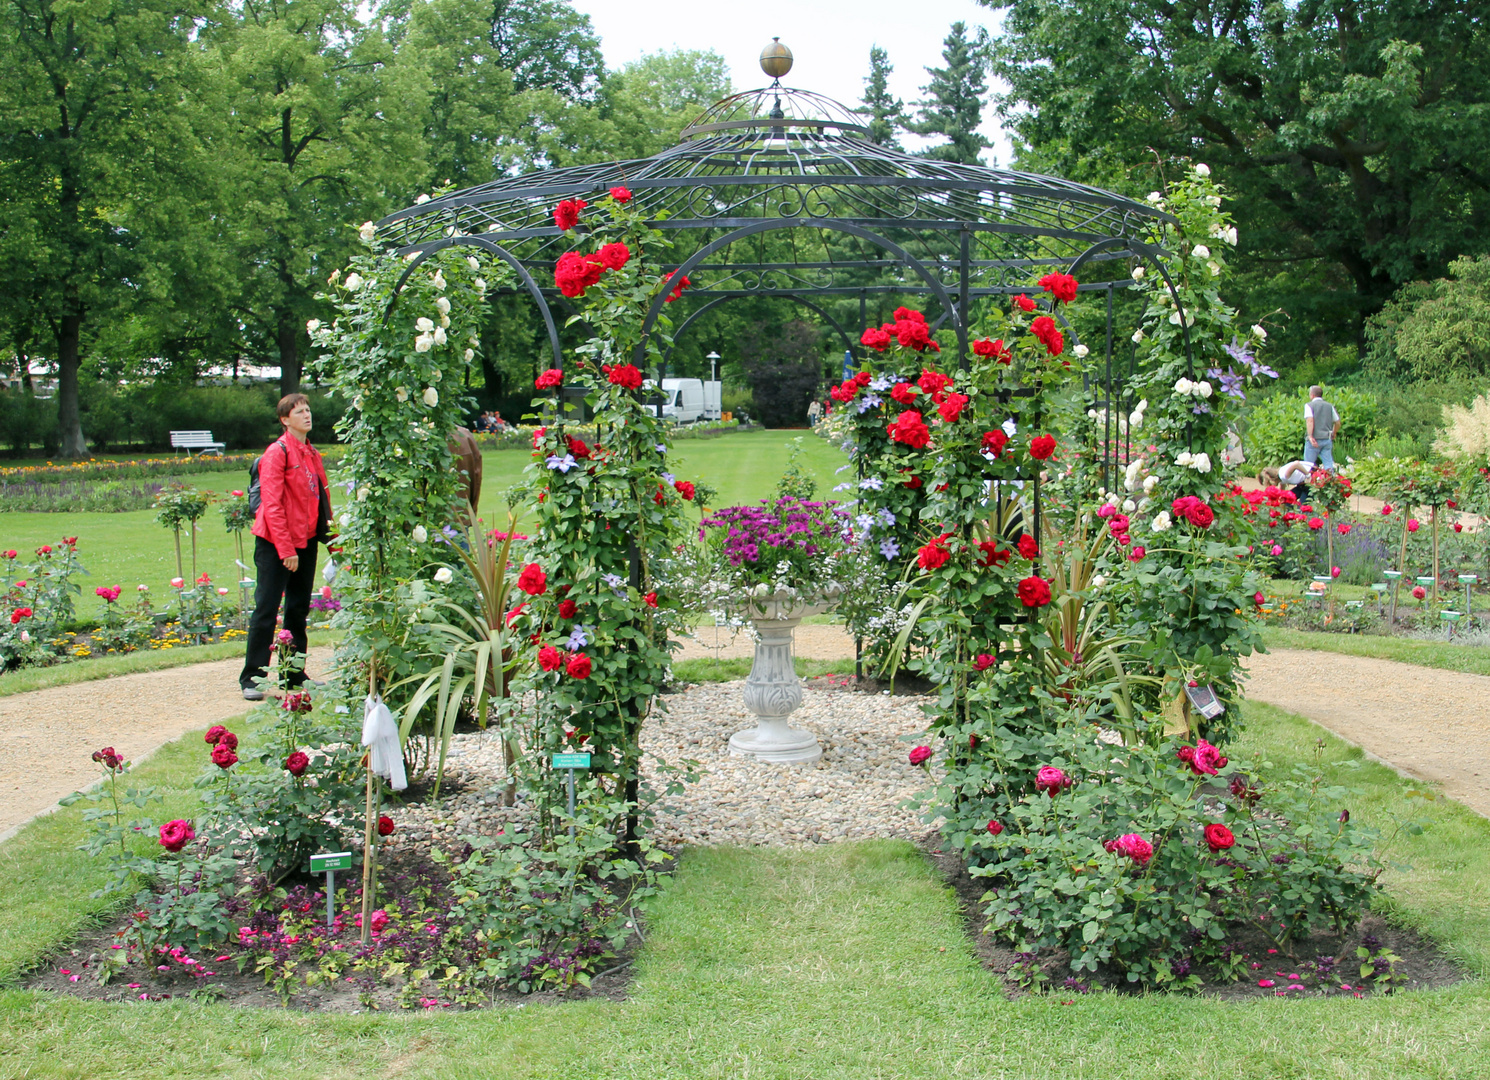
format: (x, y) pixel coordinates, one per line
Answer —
(953, 107)
(36, 602)
(1435, 330)
(1275, 426)
(885, 112)
(796, 483)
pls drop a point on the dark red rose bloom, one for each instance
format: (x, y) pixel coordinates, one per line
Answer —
(994, 828)
(951, 409)
(385, 825)
(296, 701)
(614, 256)
(215, 732)
(1028, 547)
(1240, 789)
(685, 489)
(993, 555)
(876, 338)
(228, 739)
(910, 429)
(913, 483)
(1024, 302)
(579, 666)
(1042, 446)
(650, 599)
(1193, 510)
(677, 289)
(902, 314)
(621, 195)
(109, 758)
(1219, 837)
(174, 835)
(533, 580)
(578, 447)
(223, 757)
(994, 441)
(625, 375)
(566, 214)
(982, 662)
(550, 379)
(568, 609)
(904, 392)
(1061, 286)
(935, 554)
(550, 658)
(1034, 592)
(297, 763)
(1046, 332)
(933, 382)
(919, 754)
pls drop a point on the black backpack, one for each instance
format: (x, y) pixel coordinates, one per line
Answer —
(255, 498)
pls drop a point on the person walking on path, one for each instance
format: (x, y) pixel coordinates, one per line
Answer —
(814, 412)
(1321, 425)
(294, 515)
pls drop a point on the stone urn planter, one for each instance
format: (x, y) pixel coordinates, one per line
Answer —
(772, 690)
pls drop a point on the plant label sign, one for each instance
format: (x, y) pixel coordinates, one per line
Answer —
(1204, 699)
(571, 761)
(335, 860)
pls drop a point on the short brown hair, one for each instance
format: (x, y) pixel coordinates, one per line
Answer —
(289, 403)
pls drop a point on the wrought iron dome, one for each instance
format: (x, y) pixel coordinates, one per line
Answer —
(780, 191)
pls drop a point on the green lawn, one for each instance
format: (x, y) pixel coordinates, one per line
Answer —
(841, 961)
(131, 549)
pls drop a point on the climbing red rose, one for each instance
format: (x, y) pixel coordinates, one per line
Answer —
(677, 289)
(297, 763)
(1034, 592)
(920, 754)
(572, 274)
(935, 554)
(568, 609)
(175, 835)
(614, 256)
(579, 666)
(1219, 837)
(934, 382)
(995, 348)
(1047, 334)
(993, 555)
(550, 658)
(650, 599)
(1024, 302)
(550, 379)
(913, 334)
(904, 392)
(909, 428)
(1061, 286)
(621, 195)
(994, 441)
(1028, 547)
(951, 409)
(533, 580)
(1042, 446)
(844, 392)
(685, 489)
(566, 214)
(626, 375)
(876, 338)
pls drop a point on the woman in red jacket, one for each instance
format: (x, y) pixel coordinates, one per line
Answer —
(292, 487)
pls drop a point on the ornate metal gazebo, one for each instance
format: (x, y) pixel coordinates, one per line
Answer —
(859, 218)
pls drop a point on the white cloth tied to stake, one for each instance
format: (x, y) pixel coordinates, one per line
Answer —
(380, 736)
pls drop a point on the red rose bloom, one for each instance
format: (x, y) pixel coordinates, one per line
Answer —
(913, 483)
(174, 835)
(614, 256)
(876, 338)
(1061, 286)
(677, 289)
(994, 441)
(1024, 302)
(579, 666)
(1034, 592)
(1132, 846)
(919, 754)
(571, 273)
(566, 214)
(550, 658)
(625, 375)
(1042, 446)
(650, 599)
(228, 739)
(297, 763)
(1458, 527)
(903, 314)
(215, 732)
(993, 555)
(568, 609)
(1316, 523)
(935, 554)
(913, 334)
(1028, 548)
(934, 382)
(550, 379)
(685, 489)
(996, 349)
(1219, 837)
(951, 409)
(385, 825)
(533, 580)
(994, 828)
(223, 757)
(621, 195)
(578, 447)
(904, 392)
(983, 661)
(1047, 334)
(910, 429)
(1052, 780)
(845, 392)
(863, 378)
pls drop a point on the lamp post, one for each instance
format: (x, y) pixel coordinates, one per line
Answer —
(713, 359)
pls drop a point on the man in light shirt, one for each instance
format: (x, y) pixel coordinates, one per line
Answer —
(1321, 425)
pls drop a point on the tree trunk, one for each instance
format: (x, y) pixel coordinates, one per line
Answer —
(289, 354)
(69, 423)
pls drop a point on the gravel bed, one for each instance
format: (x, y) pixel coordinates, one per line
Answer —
(858, 789)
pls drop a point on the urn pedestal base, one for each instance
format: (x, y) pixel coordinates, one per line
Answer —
(773, 693)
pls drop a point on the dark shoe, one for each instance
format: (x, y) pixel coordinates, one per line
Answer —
(250, 694)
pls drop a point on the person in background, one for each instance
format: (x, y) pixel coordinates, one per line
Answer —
(814, 412)
(294, 514)
(1321, 425)
(468, 465)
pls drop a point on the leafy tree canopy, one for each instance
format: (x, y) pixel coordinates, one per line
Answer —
(1435, 329)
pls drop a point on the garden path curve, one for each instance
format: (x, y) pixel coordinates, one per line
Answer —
(46, 736)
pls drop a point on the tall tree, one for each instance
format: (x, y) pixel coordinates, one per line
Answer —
(86, 98)
(1351, 134)
(953, 106)
(886, 112)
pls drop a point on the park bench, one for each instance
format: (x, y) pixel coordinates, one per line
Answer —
(196, 440)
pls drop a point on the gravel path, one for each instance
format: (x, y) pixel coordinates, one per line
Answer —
(46, 736)
(1430, 724)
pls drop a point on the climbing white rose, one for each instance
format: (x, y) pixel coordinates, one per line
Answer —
(1174, 317)
(1213, 200)
(354, 282)
(1129, 506)
(439, 280)
(334, 278)
(470, 355)
(368, 230)
(402, 394)
(1229, 235)
(419, 200)
(424, 325)
(439, 335)
(1081, 351)
(420, 534)
(1183, 386)
(424, 342)
(443, 575)
(1135, 419)
(1150, 482)
(432, 398)
(442, 305)
(1203, 388)
(1202, 169)
(1214, 268)
(1259, 331)
(1184, 458)
(362, 494)
(1154, 198)
(438, 375)
(345, 520)
(411, 256)
(1161, 522)
(1202, 463)
(1137, 336)
(480, 284)
(473, 262)
(1138, 273)
(1091, 414)
(312, 325)
(1201, 251)
(1098, 581)
(444, 320)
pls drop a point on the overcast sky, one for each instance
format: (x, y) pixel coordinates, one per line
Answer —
(829, 39)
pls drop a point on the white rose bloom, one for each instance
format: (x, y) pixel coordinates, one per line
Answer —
(345, 520)
(1183, 386)
(1202, 463)
(1081, 351)
(439, 280)
(1091, 414)
(419, 200)
(1213, 200)
(432, 398)
(470, 355)
(473, 262)
(411, 256)
(402, 394)
(444, 576)
(438, 375)
(439, 335)
(312, 325)
(1229, 235)
(423, 342)
(354, 281)
(1259, 331)
(1155, 198)
(1161, 522)
(1203, 388)
(1112, 498)
(334, 278)
(1129, 506)
(1202, 252)
(1150, 482)
(480, 284)
(368, 230)
(1174, 317)
(1138, 273)
(442, 305)
(424, 325)
(420, 534)
(357, 402)
(444, 320)
(362, 494)
(1135, 419)
(1184, 458)
(1214, 268)
(1137, 336)
(1098, 581)
(1202, 169)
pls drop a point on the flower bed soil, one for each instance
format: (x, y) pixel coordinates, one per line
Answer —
(1422, 966)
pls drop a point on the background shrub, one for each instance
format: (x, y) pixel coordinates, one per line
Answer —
(1275, 426)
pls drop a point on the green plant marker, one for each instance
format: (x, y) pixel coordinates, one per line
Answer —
(570, 762)
(331, 862)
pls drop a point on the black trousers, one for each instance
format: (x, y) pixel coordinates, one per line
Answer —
(275, 581)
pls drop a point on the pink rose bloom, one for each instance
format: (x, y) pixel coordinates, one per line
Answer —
(920, 754)
(1051, 780)
(1134, 847)
(1277, 550)
(1334, 571)
(284, 637)
(1413, 525)
(1137, 554)
(174, 835)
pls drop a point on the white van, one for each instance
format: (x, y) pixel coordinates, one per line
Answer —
(688, 400)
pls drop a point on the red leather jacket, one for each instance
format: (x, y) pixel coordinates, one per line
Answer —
(291, 478)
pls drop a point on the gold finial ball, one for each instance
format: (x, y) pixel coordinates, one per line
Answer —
(776, 59)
